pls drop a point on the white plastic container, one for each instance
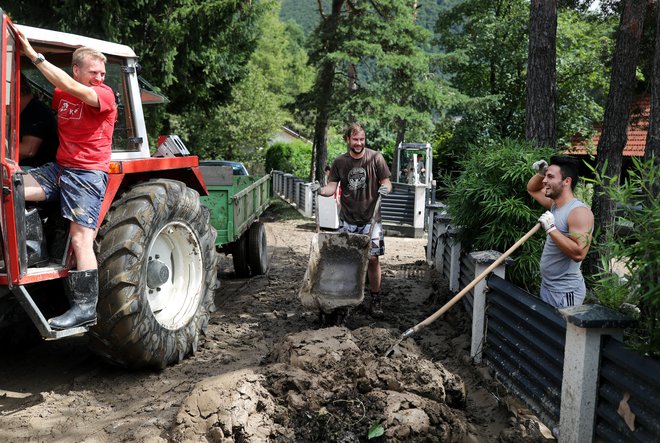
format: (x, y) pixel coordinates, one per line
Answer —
(328, 212)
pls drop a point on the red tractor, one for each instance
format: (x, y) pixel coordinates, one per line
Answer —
(155, 244)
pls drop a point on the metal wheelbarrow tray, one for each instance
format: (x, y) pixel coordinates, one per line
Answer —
(337, 269)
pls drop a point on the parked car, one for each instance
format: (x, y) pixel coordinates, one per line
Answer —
(237, 167)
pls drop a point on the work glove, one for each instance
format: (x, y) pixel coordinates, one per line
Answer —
(315, 186)
(540, 167)
(548, 221)
(383, 190)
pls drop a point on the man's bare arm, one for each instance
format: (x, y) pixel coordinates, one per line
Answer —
(576, 244)
(29, 146)
(328, 190)
(535, 189)
(388, 183)
(59, 78)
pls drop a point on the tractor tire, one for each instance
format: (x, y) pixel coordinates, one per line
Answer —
(239, 256)
(257, 249)
(157, 276)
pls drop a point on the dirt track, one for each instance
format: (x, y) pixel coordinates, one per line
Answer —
(268, 370)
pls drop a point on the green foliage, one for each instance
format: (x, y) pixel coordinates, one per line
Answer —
(396, 86)
(191, 68)
(484, 48)
(489, 200)
(292, 158)
(241, 129)
(638, 206)
(584, 47)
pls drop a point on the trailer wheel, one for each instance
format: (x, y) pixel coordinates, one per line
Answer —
(239, 256)
(157, 275)
(257, 249)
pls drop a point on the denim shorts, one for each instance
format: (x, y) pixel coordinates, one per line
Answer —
(377, 237)
(79, 191)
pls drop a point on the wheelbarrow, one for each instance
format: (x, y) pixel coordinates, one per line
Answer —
(335, 276)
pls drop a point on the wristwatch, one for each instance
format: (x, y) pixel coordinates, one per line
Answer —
(38, 59)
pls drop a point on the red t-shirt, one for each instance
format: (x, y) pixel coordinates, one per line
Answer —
(85, 131)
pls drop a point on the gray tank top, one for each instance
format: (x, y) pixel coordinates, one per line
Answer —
(560, 273)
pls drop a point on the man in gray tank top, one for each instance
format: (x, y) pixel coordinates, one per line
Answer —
(568, 224)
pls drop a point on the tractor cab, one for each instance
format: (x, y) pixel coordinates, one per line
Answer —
(414, 164)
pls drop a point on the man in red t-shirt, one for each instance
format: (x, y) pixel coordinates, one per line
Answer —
(86, 114)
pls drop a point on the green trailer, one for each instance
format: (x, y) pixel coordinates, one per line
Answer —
(236, 202)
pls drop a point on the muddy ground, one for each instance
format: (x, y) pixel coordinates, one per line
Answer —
(268, 370)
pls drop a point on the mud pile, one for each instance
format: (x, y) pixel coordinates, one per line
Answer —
(330, 385)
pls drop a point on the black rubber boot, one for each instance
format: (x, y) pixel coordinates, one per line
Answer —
(82, 288)
(375, 307)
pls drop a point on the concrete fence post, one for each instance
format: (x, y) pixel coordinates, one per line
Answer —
(277, 182)
(309, 200)
(585, 325)
(454, 245)
(442, 224)
(296, 194)
(433, 237)
(481, 260)
(286, 184)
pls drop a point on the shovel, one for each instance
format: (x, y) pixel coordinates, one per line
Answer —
(419, 326)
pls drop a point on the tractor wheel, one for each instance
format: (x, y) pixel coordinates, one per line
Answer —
(257, 249)
(239, 255)
(157, 275)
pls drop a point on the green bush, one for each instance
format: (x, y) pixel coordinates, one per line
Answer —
(293, 158)
(639, 208)
(489, 200)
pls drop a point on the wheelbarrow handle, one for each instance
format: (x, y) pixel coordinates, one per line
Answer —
(373, 216)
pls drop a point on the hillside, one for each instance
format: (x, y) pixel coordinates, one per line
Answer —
(305, 12)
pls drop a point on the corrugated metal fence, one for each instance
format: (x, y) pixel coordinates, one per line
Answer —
(525, 344)
(628, 382)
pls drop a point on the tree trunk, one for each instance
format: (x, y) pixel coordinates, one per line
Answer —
(617, 114)
(541, 73)
(324, 89)
(652, 148)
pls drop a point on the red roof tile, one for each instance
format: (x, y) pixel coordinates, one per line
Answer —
(637, 130)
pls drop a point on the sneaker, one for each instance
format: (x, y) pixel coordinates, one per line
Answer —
(375, 306)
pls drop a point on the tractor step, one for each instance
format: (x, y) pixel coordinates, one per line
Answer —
(39, 320)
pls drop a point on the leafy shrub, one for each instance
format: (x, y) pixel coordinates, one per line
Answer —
(489, 200)
(293, 158)
(639, 207)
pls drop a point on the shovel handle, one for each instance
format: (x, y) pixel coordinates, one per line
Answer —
(472, 284)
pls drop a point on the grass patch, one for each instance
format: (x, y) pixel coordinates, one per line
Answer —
(281, 210)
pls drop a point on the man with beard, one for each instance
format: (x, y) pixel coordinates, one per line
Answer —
(569, 226)
(363, 175)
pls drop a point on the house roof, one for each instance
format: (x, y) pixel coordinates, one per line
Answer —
(637, 129)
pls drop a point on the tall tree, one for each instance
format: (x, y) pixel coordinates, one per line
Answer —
(485, 57)
(397, 89)
(327, 42)
(652, 149)
(373, 67)
(617, 113)
(541, 73)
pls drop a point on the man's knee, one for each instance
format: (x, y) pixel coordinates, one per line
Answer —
(32, 189)
(81, 236)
